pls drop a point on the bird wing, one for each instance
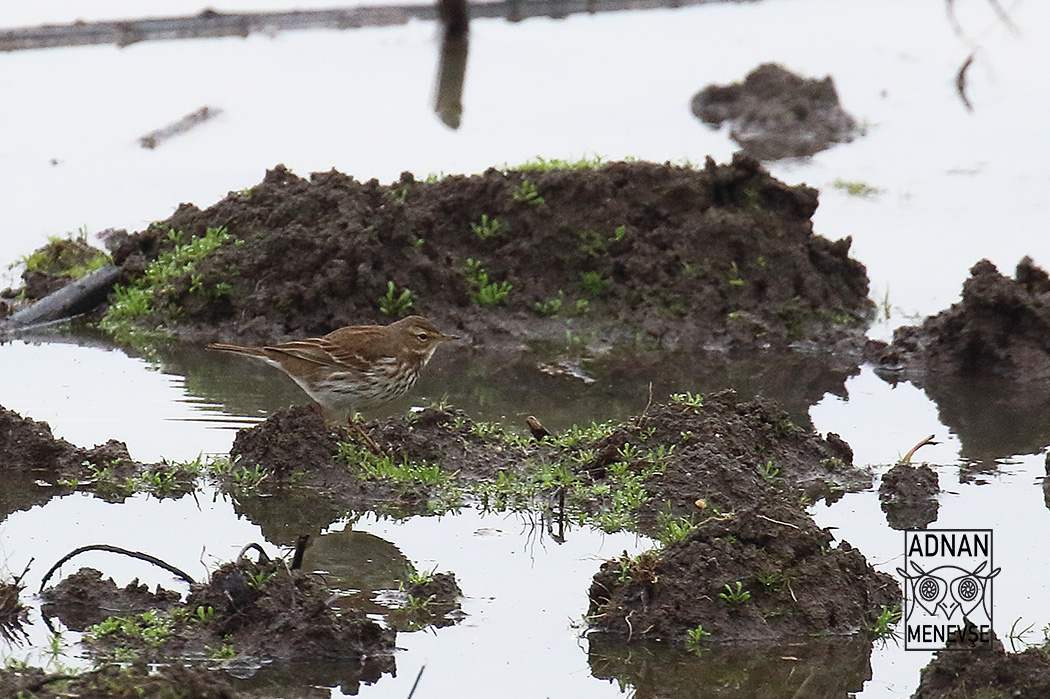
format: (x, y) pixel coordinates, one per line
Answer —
(358, 347)
(311, 349)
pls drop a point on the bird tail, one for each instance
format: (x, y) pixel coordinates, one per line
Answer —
(239, 349)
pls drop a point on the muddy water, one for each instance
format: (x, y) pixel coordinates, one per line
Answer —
(523, 589)
(956, 186)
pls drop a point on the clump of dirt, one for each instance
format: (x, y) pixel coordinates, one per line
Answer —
(1001, 328)
(28, 449)
(440, 596)
(727, 453)
(258, 611)
(777, 114)
(724, 254)
(27, 444)
(271, 612)
(985, 361)
(957, 674)
(909, 496)
(296, 447)
(13, 614)
(84, 599)
(289, 441)
(57, 263)
(753, 575)
(717, 450)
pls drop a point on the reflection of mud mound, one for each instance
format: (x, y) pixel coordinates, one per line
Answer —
(909, 496)
(985, 361)
(749, 576)
(722, 254)
(815, 669)
(776, 114)
(117, 680)
(84, 599)
(957, 673)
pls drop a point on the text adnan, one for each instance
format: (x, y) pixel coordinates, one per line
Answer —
(953, 544)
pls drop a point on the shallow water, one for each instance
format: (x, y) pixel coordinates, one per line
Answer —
(956, 187)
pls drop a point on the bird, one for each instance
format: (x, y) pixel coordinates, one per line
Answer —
(355, 367)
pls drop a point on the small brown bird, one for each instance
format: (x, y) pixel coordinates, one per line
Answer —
(355, 367)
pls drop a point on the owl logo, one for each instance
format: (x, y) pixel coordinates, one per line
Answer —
(947, 589)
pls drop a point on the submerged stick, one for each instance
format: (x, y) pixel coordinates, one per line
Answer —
(210, 24)
(116, 549)
(77, 297)
(157, 136)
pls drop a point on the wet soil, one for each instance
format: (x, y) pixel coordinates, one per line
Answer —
(84, 599)
(985, 361)
(776, 114)
(909, 496)
(38, 466)
(739, 470)
(753, 575)
(261, 611)
(960, 674)
(715, 451)
(624, 252)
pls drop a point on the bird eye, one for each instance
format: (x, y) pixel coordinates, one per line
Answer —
(422, 337)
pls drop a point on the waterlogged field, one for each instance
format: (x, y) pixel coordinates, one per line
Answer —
(918, 193)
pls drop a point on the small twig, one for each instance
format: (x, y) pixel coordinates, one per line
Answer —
(415, 684)
(39, 684)
(960, 81)
(777, 521)
(906, 459)
(156, 137)
(116, 549)
(19, 578)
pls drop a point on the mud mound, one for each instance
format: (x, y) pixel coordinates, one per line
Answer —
(985, 361)
(776, 114)
(256, 611)
(909, 496)
(84, 599)
(730, 454)
(1001, 327)
(959, 674)
(718, 450)
(275, 613)
(28, 444)
(746, 576)
(721, 254)
(290, 440)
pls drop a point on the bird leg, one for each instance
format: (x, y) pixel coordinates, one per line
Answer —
(355, 427)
